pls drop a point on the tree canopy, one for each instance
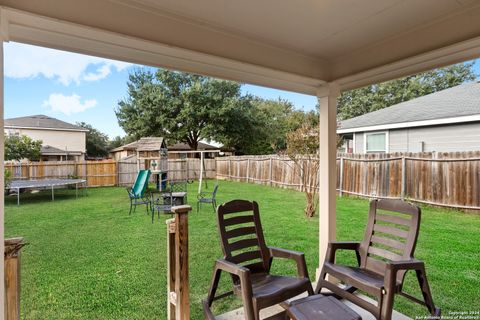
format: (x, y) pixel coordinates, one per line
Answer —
(274, 119)
(22, 147)
(357, 102)
(190, 108)
(97, 142)
(179, 106)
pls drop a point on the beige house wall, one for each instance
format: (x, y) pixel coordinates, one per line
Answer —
(61, 139)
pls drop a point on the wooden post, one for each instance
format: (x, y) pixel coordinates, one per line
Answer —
(115, 173)
(248, 168)
(341, 177)
(178, 303)
(75, 168)
(202, 159)
(229, 169)
(302, 175)
(404, 177)
(271, 168)
(12, 277)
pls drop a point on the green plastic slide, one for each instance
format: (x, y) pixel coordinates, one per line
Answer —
(141, 183)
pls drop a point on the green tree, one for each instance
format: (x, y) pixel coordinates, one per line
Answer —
(273, 119)
(356, 102)
(22, 147)
(119, 141)
(116, 142)
(97, 142)
(302, 149)
(181, 107)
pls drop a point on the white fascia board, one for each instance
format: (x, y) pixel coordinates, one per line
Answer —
(44, 128)
(411, 124)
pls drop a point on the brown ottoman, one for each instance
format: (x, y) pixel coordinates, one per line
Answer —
(318, 307)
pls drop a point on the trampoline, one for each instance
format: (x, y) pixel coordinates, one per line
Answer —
(44, 184)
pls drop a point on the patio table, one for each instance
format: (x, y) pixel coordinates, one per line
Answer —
(178, 198)
(318, 307)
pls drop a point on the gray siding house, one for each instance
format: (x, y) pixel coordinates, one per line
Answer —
(444, 121)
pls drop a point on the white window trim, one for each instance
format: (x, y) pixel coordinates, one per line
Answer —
(387, 141)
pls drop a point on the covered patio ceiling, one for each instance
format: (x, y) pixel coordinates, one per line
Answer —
(291, 45)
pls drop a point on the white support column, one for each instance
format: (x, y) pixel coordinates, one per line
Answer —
(327, 98)
(3, 37)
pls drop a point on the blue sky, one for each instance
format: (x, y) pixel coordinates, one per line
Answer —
(74, 87)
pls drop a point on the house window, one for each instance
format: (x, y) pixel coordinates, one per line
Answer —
(376, 142)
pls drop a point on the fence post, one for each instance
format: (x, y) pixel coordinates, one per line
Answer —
(404, 177)
(271, 168)
(75, 168)
(248, 169)
(12, 277)
(302, 173)
(178, 303)
(341, 177)
(229, 169)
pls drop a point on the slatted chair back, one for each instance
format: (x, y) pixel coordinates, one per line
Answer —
(178, 186)
(391, 234)
(242, 235)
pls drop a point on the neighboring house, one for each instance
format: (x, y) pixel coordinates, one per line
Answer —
(183, 150)
(60, 140)
(444, 121)
(176, 151)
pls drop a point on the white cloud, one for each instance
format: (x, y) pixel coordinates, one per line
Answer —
(58, 102)
(27, 61)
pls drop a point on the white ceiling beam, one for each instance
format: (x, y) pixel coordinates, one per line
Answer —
(43, 31)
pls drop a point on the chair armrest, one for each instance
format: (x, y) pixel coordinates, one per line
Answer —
(298, 257)
(333, 246)
(344, 245)
(392, 267)
(412, 264)
(230, 267)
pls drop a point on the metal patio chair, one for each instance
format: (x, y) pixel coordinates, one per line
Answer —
(248, 260)
(138, 193)
(179, 187)
(163, 203)
(384, 256)
(206, 197)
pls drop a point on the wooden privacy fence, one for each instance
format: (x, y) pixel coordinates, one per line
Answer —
(106, 172)
(270, 170)
(97, 173)
(443, 179)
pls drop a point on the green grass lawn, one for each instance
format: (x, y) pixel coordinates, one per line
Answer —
(88, 259)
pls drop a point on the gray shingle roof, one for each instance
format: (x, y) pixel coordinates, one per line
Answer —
(156, 141)
(185, 147)
(41, 121)
(462, 100)
(49, 150)
(144, 144)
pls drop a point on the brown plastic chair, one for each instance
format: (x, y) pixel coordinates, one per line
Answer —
(248, 260)
(384, 256)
